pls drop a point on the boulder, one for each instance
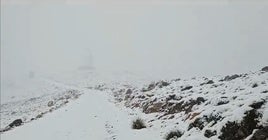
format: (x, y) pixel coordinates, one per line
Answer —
(265, 69)
(232, 77)
(129, 91)
(15, 123)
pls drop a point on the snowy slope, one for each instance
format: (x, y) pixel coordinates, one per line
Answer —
(28, 99)
(34, 104)
(222, 107)
(230, 108)
(90, 117)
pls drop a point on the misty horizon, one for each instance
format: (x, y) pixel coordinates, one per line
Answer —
(166, 41)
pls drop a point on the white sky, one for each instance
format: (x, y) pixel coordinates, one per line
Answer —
(162, 39)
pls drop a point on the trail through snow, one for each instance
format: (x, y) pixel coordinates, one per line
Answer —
(91, 117)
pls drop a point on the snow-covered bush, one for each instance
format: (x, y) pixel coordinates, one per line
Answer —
(138, 124)
(173, 135)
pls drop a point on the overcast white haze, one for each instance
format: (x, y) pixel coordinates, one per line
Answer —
(163, 39)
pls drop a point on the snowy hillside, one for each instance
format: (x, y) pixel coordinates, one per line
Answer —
(222, 107)
(229, 108)
(35, 97)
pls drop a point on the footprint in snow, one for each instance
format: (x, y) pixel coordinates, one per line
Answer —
(109, 129)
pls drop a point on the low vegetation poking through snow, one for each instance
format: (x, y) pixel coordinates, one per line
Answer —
(138, 124)
(227, 108)
(173, 135)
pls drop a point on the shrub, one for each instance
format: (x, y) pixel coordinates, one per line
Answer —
(261, 134)
(138, 124)
(175, 134)
(239, 131)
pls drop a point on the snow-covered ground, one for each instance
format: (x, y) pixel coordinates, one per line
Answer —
(200, 107)
(203, 106)
(219, 107)
(90, 117)
(28, 99)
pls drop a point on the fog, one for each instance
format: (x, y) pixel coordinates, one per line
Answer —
(160, 40)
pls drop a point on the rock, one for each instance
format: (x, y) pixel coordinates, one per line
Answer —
(265, 69)
(257, 105)
(208, 82)
(50, 103)
(222, 102)
(183, 106)
(175, 108)
(39, 115)
(162, 84)
(198, 123)
(149, 95)
(261, 134)
(51, 109)
(171, 117)
(129, 91)
(157, 107)
(192, 116)
(254, 85)
(186, 88)
(153, 85)
(171, 97)
(178, 79)
(149, 88)
(17, 122)
(141, 97)
(210, 133)
(265, 91)
(232, 77)
(5, 129)
(65, 102)
(200, 100)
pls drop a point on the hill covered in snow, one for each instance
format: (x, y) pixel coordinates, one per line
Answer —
(230, 107)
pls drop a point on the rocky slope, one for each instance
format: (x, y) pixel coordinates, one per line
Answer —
(231, 107)
(227, 108)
